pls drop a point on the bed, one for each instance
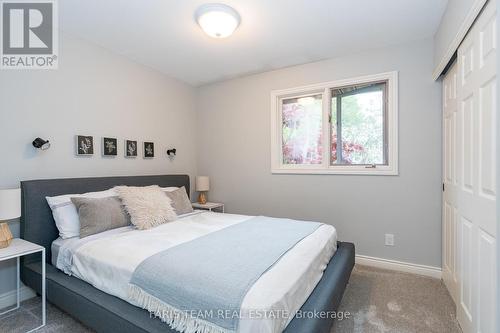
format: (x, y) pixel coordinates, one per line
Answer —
(105, 309)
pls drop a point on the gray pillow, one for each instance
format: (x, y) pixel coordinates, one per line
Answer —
(180, 201)
(100, 214)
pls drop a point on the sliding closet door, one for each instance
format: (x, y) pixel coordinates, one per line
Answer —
(470, 184)
(450, 161)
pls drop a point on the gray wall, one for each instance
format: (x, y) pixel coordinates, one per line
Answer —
(97, 93)
(453, 17)
(234, 127)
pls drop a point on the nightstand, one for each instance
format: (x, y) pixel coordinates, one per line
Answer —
(18, 248)
(211, 206)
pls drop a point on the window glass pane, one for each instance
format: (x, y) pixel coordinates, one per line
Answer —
(361, 125)
(302, 130)
(333, 123)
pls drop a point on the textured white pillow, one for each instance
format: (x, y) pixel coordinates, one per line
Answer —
(65, 213)
(147, 206)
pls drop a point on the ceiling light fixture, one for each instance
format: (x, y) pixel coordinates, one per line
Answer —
(217, 20)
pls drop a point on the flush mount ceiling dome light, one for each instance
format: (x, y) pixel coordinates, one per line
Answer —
(217, 20)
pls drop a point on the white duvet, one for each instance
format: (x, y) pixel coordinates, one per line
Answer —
(107, 261)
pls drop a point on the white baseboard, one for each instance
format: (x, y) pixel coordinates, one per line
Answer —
(400, 266)
(9, 298)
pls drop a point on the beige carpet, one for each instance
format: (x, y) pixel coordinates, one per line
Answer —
(379, 301)
(391, 302)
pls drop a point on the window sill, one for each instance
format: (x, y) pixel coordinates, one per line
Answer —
(379, 171)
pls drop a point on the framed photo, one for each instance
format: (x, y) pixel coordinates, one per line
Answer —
(84, 145)
(149, 149)
(131, 148)
(109, 147)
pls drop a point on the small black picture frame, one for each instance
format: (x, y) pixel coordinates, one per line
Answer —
(109, 147)
(84, 145)
(131, 148)
(149, 149)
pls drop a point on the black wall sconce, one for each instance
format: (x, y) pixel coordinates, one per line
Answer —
(172, 152)
(42, 144)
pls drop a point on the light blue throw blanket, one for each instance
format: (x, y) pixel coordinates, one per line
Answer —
(198, 286)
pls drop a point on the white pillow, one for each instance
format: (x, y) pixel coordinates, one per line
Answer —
(148, 206)
(65, 213)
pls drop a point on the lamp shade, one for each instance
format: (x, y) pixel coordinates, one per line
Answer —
(10, 204)
(202, 183)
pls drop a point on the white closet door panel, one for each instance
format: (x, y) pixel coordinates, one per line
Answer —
(465, 310)
(470, 161)
(451, 178)
(487, 286)
(487, 140)
(467, 145)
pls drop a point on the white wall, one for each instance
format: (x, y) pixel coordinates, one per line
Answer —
(453, 18)
(234, 128)
(94, 92)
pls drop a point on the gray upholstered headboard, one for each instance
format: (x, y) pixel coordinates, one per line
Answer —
(37, 223)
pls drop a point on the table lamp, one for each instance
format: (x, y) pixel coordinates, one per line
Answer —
(10, 208)
(202, 186)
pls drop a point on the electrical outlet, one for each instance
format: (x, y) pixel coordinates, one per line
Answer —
(389, 239)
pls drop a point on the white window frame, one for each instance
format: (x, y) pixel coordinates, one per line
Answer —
(325, 88)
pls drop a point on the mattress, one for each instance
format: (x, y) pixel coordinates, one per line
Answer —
(108, 260)
(56, 245)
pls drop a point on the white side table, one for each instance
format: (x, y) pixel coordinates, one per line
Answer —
(209, 206)
(18, 248)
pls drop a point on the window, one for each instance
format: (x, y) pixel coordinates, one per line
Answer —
(358, 126)
(343, 127)
(302, 132)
